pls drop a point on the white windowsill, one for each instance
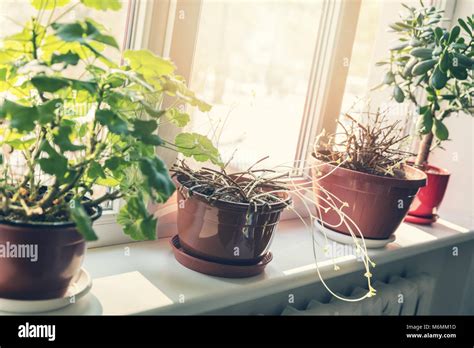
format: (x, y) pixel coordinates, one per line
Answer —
(151, 281)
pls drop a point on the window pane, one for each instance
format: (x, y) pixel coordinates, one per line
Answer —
(252, 62)
(357, 83)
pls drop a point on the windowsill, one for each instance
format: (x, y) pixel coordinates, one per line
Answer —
(150, 281)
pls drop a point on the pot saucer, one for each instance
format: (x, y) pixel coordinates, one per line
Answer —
(78, 288)
(421, 220)
(346, 239)
(214, 268)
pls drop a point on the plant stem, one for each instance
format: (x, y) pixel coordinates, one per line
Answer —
(424, 150)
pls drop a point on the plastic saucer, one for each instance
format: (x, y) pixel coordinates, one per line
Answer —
(214, 268)
(78, 288)
(346, 239)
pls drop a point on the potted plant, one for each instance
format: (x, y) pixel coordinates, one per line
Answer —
(74, 133)
(360, 178)
(439, 62)
(226, 218)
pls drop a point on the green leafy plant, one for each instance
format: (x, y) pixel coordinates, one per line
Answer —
(78, 121)
(437, 60)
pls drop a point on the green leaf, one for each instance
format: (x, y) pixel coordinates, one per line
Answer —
(144, 127)
(423, 53)
(157, 175)
(21, 117)
(62, 139)
(55, 164)
(398, 94)
(440, 130)
(460, 73)
(438, 33)
(135, 219)
(454, 34)
(82, 220)
(69, 32)
(148, 64)
(151, 110)
(444, 62)
(389, 78)
(398, 46)
(425, 122)
(103, 5)
(89, 86)
(95, 170)
(407, 71)
(69, 58)
(94, 34)
(197, 146)
(113, 122)
(462, 60)
(113, 162)
(108, 182)
(423, 67)
(47, 111)
(143, 130)
(463, 24)
(49, 84)
(177, 117)
(49, 4)
(438, 78)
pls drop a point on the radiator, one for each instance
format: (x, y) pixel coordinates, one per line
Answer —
(398, 296)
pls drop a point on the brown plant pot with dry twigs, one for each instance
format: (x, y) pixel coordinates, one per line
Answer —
(376, 204)
(226, 232)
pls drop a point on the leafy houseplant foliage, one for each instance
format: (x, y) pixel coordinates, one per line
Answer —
(96, 128)
(371, 147)
(439, 61)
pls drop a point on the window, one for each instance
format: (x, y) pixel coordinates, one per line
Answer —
(252, 61)
(270, 69)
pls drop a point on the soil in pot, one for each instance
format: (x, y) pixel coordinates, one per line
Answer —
(226, 230)
(377, 204)
(39, 260)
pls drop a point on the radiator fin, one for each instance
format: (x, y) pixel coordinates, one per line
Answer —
(398, 296)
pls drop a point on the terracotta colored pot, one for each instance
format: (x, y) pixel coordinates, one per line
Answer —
(52, 256)
(225, 232)
(376, 204)
(429, 198)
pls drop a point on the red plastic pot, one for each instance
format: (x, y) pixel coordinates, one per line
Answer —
(376, 204)
(429, 198)
(51, 258)
(226, 232)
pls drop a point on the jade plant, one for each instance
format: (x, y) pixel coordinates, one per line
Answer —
(79, 121)
(439, 61)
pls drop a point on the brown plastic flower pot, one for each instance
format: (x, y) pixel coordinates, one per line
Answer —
(375, 203)
(46, 273)
(226, 232)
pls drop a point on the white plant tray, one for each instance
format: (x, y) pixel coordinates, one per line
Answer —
(346, 239)
(78, 288)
